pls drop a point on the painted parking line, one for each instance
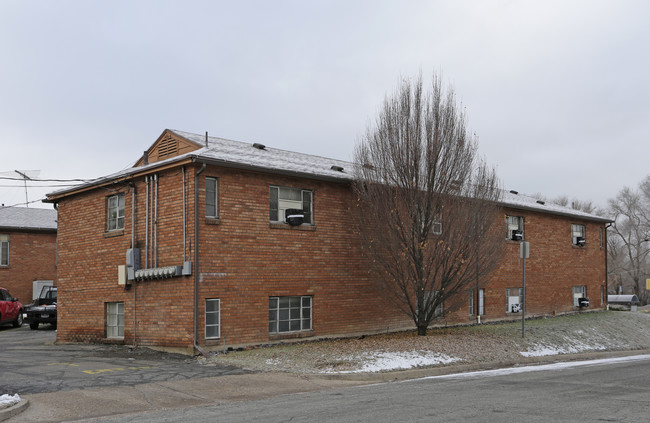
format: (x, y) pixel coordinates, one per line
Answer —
(116, 369)
(99, 371)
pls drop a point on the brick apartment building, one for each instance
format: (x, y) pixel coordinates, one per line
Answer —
(190, 248)
(27, 250)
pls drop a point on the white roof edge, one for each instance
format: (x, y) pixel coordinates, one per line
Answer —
(239, 154)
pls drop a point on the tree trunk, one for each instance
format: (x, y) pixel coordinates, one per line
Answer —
(422, 331)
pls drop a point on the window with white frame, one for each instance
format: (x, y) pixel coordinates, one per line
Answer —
(471, 302)
(283, 198)
(472, 299)
(211, 189)
(578, 234)
(579, 292)
(115, 320)
(115, 212)
(515, 228)
(290, 314)
(212, 318)
(431, 296)
(4, 250)
(436, 228)
(514, 300)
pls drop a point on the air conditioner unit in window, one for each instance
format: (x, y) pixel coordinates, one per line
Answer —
(517, 235)
(580, 241)
(294, 217)
(583, 302)
(515, 308)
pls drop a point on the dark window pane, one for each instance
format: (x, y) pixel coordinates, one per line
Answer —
(295, 325)
(283, 327)
(306, 206)
(273, 302)
(212, 332)
(273, 204)
(211, 319)
(306, 324)
(211, 305)
(284, 314)
(295, 313)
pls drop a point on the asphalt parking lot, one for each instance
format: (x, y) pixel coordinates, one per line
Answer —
(31, 362)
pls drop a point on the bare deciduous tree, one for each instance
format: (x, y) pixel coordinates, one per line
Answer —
(629, 249)
(428, 208)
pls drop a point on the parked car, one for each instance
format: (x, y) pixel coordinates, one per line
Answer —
(43, 309)
(11, 310)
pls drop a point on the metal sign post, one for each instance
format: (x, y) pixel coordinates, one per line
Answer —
(524, 253)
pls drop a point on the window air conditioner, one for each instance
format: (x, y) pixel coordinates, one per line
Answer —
(583, 302)
(517, 235)
(516, 308)
(294, 217)
(580, 241)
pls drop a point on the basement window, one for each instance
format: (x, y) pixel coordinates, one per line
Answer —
(115, 320)
(212, 318)
(115, 212)
(289, 314)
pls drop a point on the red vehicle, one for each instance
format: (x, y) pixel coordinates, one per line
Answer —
(11, 310)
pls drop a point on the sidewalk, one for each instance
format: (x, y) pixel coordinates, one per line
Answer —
(89, 403)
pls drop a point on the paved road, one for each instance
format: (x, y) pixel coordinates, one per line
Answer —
(31, 363)
(589, 392)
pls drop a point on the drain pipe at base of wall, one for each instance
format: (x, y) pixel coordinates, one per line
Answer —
(196, 260)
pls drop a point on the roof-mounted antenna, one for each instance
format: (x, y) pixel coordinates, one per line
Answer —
(206, 138)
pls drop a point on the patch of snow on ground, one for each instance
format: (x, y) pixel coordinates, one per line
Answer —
(382, 361)
(569, 346)
(537, 368)
(9, 400)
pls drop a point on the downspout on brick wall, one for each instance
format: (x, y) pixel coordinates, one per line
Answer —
(135, 298)
(609, 225)
(196, 259)
(146, 223)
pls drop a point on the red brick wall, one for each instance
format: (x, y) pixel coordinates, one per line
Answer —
(243, 260)
(555, 266)
(32, 256)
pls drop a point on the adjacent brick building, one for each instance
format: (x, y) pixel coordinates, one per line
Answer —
(190, 248)
(27, 249)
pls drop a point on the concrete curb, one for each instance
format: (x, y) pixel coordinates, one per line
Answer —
(7, 413)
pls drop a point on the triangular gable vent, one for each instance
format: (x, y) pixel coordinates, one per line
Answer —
(168, 147)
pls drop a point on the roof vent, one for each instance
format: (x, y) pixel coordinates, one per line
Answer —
(259, 146)
(337, 168)
(512, 191)
(541, 202)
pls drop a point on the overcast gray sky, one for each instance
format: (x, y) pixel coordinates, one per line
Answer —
(557, 91)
